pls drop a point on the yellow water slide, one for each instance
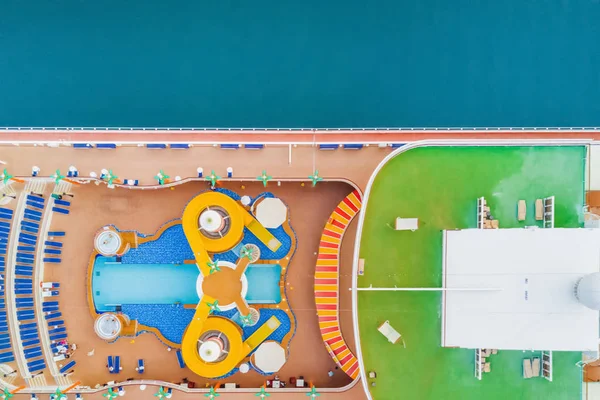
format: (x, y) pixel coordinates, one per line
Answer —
(203, 321)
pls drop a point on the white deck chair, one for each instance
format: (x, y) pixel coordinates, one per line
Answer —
(527, 370)
(390, 333)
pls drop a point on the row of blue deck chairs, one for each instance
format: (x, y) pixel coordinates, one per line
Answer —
(53, 247)
(61, 206)
(179, 146)
(6, 354)
(28, 239)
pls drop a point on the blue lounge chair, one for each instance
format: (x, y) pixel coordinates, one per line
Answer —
(51, 243)
(25, 260)
(30, 224)
(5, 224)
(111, 365)
(59, 336)
(353, 146)
(4, 230)
(57, 330)
(106, 146)
(230, 146)
(52, 251)
(180, 359)
(62, 203)
(29, 229)
(6, 210)
(28, 236)
(53, 316)
(50, 308)
(52, 260)
(26, 248)
(56, 233)
(50, 303)
(118, 367)
(83, 145)
(32, 350)
(36, 364)
(27, 326)
(60, 210)
(31, 342)
(396, 145)
(33, 355)
(54, 323)
(37, 199)
(24, 312)
(8, 358)
(254, 146)
(35, 205)
(5, 346)
(37, 367)
(24, 272)
(156, 146)
(23, 291)
(27, 241)
(25, 255)
(328, 146)
(141, 367)
(33, 212)
(67, 367)
(179, 146)
(26, 317)
(24, 280)
(28, 336)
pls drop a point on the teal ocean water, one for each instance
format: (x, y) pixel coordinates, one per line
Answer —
(305, 63)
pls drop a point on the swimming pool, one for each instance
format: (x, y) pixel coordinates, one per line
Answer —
(263, 284)
(114, 283)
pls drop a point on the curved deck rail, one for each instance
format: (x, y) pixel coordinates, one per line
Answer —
(327, 283)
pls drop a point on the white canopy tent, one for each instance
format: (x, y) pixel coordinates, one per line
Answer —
(535, 272)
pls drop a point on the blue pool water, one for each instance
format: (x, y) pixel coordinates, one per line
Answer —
(310, 63)
(171, 247)
(172, 320)
(116, 283)
(263, 284)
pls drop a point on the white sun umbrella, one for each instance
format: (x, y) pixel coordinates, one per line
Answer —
(271, 212)
(269, 357)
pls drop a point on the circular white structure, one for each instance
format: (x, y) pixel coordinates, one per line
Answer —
(223, 264)
(107, 242)
(211, 350)
(246, 200)
(587, 291)
(107, 326)
(244, 368)
(211, 221)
